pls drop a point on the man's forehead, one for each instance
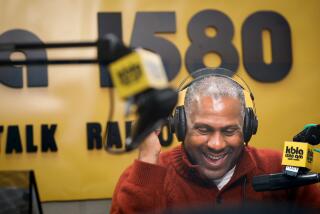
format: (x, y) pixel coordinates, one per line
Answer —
(215, 102)
(218, 112)
(207, 106)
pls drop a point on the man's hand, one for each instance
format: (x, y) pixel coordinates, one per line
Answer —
(150, 148)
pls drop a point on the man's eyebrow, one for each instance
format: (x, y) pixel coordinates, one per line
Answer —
(231, 127)
(201, 124)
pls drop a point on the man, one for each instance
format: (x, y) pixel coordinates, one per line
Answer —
(212, 167)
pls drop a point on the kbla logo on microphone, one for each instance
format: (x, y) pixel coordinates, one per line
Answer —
(294, 153)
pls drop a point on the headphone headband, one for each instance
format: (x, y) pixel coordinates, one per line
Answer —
(222, 72)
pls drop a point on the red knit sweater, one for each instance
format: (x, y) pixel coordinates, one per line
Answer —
(175, 182)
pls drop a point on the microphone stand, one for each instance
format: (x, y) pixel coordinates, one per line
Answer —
(279, 181)
(292, 176)
(109, 49)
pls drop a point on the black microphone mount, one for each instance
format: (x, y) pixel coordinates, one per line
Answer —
(311, 135)
(280, 181)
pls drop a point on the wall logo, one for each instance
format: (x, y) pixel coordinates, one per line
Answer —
(146, 27)
(11, 76)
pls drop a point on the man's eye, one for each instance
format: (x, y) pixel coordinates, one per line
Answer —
(230, 132)
(202, 130)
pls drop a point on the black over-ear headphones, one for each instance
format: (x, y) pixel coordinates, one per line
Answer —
(178, 122)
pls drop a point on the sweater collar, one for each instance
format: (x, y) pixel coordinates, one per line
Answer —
(188, 170)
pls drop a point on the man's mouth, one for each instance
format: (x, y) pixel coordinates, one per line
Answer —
(215, 160)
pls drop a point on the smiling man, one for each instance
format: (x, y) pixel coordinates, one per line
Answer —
(212, 167)
(214, 138)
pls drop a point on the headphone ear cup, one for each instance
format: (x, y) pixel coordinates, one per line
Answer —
(170, 123)
(245, 128)
(254, 123)
(250, 125)
(180, 123)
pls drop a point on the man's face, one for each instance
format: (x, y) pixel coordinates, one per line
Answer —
(214, 136)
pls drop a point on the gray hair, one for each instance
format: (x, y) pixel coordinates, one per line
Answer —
(215, 87)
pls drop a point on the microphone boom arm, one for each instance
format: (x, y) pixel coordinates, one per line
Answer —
(279, 181)
(109, 49)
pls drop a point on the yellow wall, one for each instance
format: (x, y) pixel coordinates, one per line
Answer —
(74, 96)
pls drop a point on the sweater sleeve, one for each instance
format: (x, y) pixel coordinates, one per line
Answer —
(140, 189)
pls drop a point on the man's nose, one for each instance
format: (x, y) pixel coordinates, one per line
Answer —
(216, 141)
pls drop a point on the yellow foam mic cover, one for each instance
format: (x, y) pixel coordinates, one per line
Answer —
(137, 72)
(298, 154)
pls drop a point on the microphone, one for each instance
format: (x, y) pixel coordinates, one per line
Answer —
(279, 181)
(140, 78)
(298, 155)
(298, 159)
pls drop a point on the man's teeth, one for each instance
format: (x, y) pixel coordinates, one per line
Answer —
(215, 157)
